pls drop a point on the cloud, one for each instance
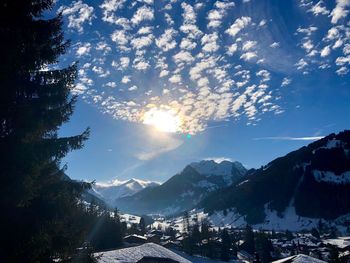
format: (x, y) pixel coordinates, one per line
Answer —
(209, 42)
(286, 82)
(164, 144)
(166, 41)
(232, 49)
(83, 49)
(238, 25)
(301, 64)
(216, 15)
(144, 13)
(183, 57)
(275, 45)
(325, 51)
(175, 79)
(287, 138)
(121, 38)
(319, 9)
(248, 56)
(78, 13)
(150, 56)
(340, 11)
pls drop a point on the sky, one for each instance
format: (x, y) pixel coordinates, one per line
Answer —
(162, 84)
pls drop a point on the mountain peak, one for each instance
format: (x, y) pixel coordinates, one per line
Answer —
(117, 189)
(211, 167)
(309, 180)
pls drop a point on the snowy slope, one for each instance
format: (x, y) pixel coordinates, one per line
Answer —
(223, 169)
(330, 177)
(134, 254)
(110, 192)
(185, 189)
(293, 191)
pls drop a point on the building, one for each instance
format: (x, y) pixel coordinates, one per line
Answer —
(135, 239)
(146, 253)
(299, 259)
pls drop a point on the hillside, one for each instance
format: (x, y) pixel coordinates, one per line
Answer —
(185, 189)
(314, 180)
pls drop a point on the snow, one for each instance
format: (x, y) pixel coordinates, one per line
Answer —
(134, 254)
(341, 242)
(130, 219)
(210, 167)
(188, 193)
(330, 177)
(205, 184)
(245, 181)
(299, 259)
(196, 259)
(117, 189)
(333, 144)
(290, 220)
(231, 219)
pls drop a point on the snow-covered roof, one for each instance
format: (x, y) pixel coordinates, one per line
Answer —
(134, 254)
(136, 236)
(339, 242)
(299, 259)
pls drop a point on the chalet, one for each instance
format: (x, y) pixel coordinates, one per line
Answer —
(299, 258)
(146, 253)
(342, 243)
(153, 238)
(135, 239)
(172, 245)
(156, 260)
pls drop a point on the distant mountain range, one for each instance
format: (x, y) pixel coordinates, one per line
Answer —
(185, 189)
(118, 189)
(295, 191)
(312, 182)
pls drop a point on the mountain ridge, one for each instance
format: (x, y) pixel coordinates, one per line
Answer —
(117, 189)
(188, 187)
(303, 179)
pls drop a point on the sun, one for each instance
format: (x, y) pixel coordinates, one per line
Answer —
(164, 120)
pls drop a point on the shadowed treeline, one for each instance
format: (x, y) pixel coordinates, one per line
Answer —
(42, 216)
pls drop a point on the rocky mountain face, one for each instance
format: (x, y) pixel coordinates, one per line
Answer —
(313, 182)
(118, 189)
(185, 189)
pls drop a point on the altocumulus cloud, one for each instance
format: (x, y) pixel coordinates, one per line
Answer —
(138, 55)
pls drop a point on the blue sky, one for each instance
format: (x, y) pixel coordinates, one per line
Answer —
(242, 80)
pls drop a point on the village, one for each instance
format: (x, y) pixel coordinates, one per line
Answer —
(196, 240)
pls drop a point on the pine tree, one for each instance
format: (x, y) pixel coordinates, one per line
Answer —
(333, 255)
(225, 245)
(248, 238)
(263, 247)
(186, 222)
(41, 214)
(142, 226)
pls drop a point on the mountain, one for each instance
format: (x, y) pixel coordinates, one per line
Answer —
(185, 189)
(118, 189)
(312, 182)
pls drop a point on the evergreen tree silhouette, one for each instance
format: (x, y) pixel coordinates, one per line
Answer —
(41, 214)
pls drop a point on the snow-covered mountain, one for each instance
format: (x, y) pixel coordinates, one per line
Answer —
(224, 169)
(293, 191)
(118, 189)
(185, 189)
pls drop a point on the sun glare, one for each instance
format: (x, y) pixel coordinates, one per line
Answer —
(162, 120)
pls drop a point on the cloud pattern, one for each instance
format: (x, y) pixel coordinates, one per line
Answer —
(205, 60)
